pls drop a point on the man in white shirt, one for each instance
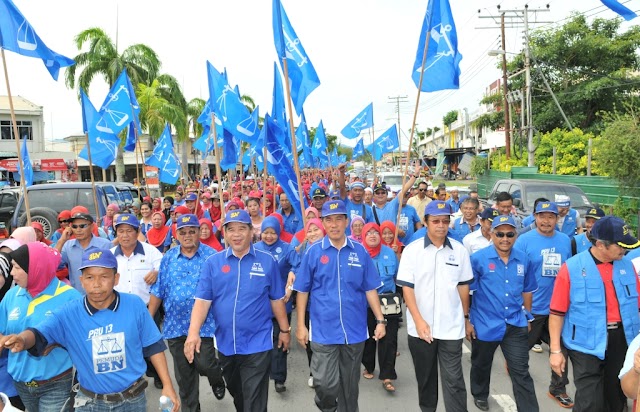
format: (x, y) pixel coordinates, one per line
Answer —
(479, 239)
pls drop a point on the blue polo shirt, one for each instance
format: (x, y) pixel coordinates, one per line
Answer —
(461, 228)
(498, 288)
(72, 257)
(18, 311)
(388, 212)
(419, 234)
(337, 281)
(546, 254)
(387, 264)
(357, 209)
(240, 291)
(292, 223)
(408, 219)
(455, 205)
(288, 260)
(176, 285)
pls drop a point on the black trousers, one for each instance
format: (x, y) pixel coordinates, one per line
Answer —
(387, 348)
(278, 357)
(247, 378)
(540, 332)
(597, 384)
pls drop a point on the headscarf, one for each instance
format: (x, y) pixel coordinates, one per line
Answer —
(25, 234)
(156, 237)
(284, 235)
(212, 240)
(5, 273)
(311, 209)
(373, 251)
(387, 224)
(269, 209)
(40, 263)
(215, 212)
(352, 236)
(159, 209)
(317, 222)
(302, 234)
(271, 222)
(108, 221)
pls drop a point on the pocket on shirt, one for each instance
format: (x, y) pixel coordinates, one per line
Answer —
(582, 333)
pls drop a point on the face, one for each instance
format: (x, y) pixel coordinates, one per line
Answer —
(267, 203)
(504, 207)
(99, 283)
(205, 232)
(611, 252)
(357, 193)
(145, 210)
(188, 237)
(81, 229)
(430, 193)
(438, 227)
(335, 226)
(127, 236)
(314, 233)
(190, 204)
(422, 190)
(178, 196)
(269, 236)
(284, 202)
(135, 210)
(546, 222)
(63, 223)
(388, 235)
(318, 201)
(469, 211)
(110, 212)
(206, 200)
(156, 221)
(156, 204)
(166, 204)
(356, 228)
(19, 275)
(216, 202)
(562, 211)
(372, 237)
(485, 226)
(504, 243)
(380, 196)
(442, 195)
(368, 196)
(454, 193)
(238, 235)
(588, 223)
(253, 207)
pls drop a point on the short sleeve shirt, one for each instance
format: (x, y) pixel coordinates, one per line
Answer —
(144, 259)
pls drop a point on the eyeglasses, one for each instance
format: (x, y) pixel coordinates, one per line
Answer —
(188, 232)
(422, 190)
(440, 221)
(373, 233)
(381, 193)
(81, 226)
(507, 234)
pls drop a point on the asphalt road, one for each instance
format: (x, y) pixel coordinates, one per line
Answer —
(299, 397)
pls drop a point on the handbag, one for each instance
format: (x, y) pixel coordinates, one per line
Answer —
(391, 304)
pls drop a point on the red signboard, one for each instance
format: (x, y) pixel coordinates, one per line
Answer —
(47, 165)
(9, 164)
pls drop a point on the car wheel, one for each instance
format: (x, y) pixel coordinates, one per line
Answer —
(48, 218)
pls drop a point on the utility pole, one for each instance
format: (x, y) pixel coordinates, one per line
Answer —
(397, 100)
(505, 91)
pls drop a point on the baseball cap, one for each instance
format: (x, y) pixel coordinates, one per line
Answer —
(319, 192)
(191, 197)
(379, 186)
(357, 185)
(183, 210)
(563, 201)
(127, 219)
(334, 207)
(613, 229)
(334, 194)
(78, 209)
(595, 212)
(207, 195)
(489, 213)
(84, 216)
(542, 207)
(98, 258)
(237, 216)
(503, 220)
(187, 221)
(438, 208)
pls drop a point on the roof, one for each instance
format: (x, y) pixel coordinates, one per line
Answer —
(19, 104)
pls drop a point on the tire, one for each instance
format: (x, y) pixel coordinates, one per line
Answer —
(48, 218)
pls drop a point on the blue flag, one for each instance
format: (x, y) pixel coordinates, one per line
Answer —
(278, 113)
(386, 143)
(120, 108)
(319, 150)
(303, 78)
(164, 158)
(358, 150)
(26, 163)
(335, 159)
(104, 146)
(256, 152)
(302, 138)
(17, 35)
(442, 65)
(623, 11)
(362, 121)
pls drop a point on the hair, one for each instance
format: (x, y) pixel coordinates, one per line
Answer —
(254, 199)
(538, 200)
(169, 199)
(473, 192)
(475, 202)
(503, 197)
(423, 183)
(146, 203)
(441, 190)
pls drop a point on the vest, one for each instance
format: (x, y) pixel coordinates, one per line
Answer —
(569, 225)
(582, 243)
(585, 324)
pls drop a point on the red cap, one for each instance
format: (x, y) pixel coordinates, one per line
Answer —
(64, 215)
(183, 210)
(37, 226)
(79, 209)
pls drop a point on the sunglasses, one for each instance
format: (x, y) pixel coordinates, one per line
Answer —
(380, 193)
(63, 221)
(507, 234)
(422, 190)
(81, 226)
(440, 221)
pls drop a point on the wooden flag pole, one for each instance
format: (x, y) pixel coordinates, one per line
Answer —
(264, 181)
(373, 155)
(139, 146)
(23, 181)
(218, 168)
(93, 180)
(413, 130)
(294, 146)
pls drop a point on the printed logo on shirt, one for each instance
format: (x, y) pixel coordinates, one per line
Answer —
(278, 250)
(354, 260)
(109, 352)
(324, 259)
(520, 270)
(492, 267)
(551, 262)
(623, 272)
(226, 269)
(48, 313)
(256, 270)
(14, 314)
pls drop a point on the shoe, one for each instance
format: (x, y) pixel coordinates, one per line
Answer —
(157, 383)
(537, 348)
(563, 400)
(280, 387)
(480, 404)
(219, 390)
(310, 382)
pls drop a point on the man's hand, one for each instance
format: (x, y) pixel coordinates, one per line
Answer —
(401, 233)
(470, 330)
(66, 234)
(283, 341)
(424, 331)
(190, 345)
(15, 343)
(379, 332)
(416, 170)
(342, 168)
(151, 277)
(557, 362)
(302, 335)
(171, 393)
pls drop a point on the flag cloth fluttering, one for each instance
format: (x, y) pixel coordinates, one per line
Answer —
(387, 142)
(362, 121)
(617, 7)
(119, 110)
(26, 163)
(358, 150)
(104, 146)
(164, 158)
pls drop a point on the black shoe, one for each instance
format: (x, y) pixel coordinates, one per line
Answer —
(157, 383)
(280, 387)
(480, 404)
(219, 390)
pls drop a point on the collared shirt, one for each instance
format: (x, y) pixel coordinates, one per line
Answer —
(461, 228)
(144, 259)
(498, 288)
(387, 264)
(419, 204)
(106, 346)
(475, 241)
(407, 222)
(18, 311)
(292, 223)
(357, 209)
(388, 212)
(240, 291)
(455, 204)
(176, 286)
(435, 273)
(288, 260)
(72, 257)
(337, 280)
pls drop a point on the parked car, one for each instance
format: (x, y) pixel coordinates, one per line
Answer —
(9, 197)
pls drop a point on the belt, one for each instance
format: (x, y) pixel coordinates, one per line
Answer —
(614, 325)
(35, 384)
(131, 392)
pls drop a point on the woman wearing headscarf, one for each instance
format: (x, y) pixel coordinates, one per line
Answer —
(388, 232)
(387, 264)
(159, 234)
(166, 207)
(6, 382)
(309, 213)
(357, 223)
(43, 383)
(207, 236)
(25, 234)
(268, 205)
(63, 222)
(156, 205)
(107, 220)
(288, 262)
(284, 235)
(253, 207)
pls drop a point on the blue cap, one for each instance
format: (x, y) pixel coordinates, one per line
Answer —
(187, 221)
(613, 229)
(563, 201)
(334, 207)
(191, 197)
(127, 219)
(595, 212)
(357, 184)
(489, 213)
(503, 220)
(438, 208)
(542, 207)
(334, 194)
(239, 216)
(99, 258)
(380, 186)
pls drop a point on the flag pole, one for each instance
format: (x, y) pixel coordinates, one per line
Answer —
(139, 147)
(23, 180)
(294, 146)
(413, 130)
(218, 168)
(264, 181)
(93, 180)
(373, 155)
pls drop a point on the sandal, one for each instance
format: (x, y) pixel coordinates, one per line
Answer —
(367, 375)
(388, 386)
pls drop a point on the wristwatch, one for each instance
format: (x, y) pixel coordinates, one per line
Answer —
(381, 321)
(286, 331)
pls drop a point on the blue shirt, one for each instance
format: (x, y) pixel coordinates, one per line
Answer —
(388, 212)
(419, 234)
(72, 257)
(18, 311)
(105, 345)
(387, 264)
(176, 287)
(455, 205)
(461, 228)
(288, 260)
(240, 291)
(358, 209)
(498, 288)
(408, 219)
(337, 281)
(546, 254)
(292, 223)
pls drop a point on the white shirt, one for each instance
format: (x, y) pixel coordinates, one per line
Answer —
(134, 268)
(434, 274)
(475, 241)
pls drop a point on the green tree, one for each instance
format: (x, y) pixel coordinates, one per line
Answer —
(571, 152)
(449, 118)
(156, 111)
(618, 151)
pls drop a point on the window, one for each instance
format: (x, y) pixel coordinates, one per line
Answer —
(24, 129)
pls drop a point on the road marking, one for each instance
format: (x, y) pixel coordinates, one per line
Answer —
(505, 402)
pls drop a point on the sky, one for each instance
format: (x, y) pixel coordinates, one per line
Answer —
(362, 50)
